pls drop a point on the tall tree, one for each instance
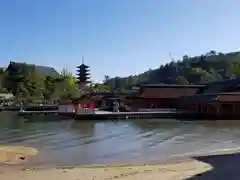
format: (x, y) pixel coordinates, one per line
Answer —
(181, 80)
(68, 85)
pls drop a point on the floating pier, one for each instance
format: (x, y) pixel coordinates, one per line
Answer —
(31, 108)
(126, 115)
(106, 115)
(31, 113)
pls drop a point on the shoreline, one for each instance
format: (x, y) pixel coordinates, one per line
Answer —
(168, 170)
(208, 165)
(173, 160)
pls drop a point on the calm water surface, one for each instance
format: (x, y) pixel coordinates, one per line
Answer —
(69, 142)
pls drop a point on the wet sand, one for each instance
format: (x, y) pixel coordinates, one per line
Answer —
(15, 154)
(168, 171)
(208, 167)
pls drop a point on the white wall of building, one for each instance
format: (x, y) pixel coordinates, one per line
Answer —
(66, 108)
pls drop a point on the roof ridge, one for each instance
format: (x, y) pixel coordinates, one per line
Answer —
(43, 70)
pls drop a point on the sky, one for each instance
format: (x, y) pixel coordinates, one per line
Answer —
(116, 37)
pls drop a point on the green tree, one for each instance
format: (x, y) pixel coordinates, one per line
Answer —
(106, 79)
(65, 73)
(181, 80)
(49, 88)
(2, 77)
(235, 68)
(17, 79)
(97, 87)
(67, 83)
(24, 82)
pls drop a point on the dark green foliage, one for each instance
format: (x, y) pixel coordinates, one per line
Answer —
(49, 83)
(181, 80)
(25, 83)
(205, 68)
(101, 88)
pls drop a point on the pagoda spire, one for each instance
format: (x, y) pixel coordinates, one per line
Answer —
(82, 59)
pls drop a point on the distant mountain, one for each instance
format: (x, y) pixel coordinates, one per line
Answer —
(200, 69)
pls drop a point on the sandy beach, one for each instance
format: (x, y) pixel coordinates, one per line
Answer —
(15, 154)
(12, 155)
(220, 166)
(214, 167)
(168, 171)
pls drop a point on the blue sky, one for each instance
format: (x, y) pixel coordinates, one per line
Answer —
(117, 38)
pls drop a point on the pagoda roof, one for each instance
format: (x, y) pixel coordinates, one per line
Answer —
(83, 65)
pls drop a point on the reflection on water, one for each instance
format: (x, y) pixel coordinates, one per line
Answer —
(93, 142)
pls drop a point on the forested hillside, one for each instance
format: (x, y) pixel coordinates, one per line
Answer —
(33, 84)
(190, 70)
(25, 83)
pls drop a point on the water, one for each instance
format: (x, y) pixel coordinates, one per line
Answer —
(95, 142)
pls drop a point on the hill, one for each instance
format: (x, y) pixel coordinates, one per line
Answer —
(200, 69)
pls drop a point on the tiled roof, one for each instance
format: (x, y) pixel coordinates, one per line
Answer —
(173, 85)
(224, 90)
(86, 99)
(42, 70)
(221, 86)
(168, 92)
(230, 93)
(108, 94)
(46, 71)
(223, 97)
(229, 98)
(202, 98)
